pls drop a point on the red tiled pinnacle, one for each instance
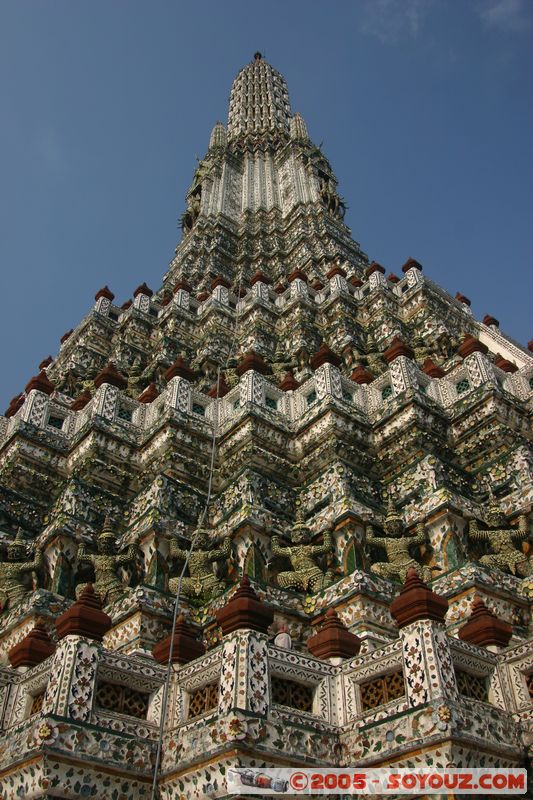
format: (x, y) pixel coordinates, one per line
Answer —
(361, 375)
(324, 355)
(106, 292)
(333, 640)
(149, 394)
(15, 404)
(471, 345)
(244, 611)
(180, 369)
(374, 267)
(111, 375)
(219, 389)
(34, 648)
(416, 601)
(252, 360)
(186, 645)
(41, 383)
(85, 617)
(289, 383)
(397, 348)
(410, 263)
(143, 289)
(81, 400)
(259, 276)
(431, 369)
(484, 628)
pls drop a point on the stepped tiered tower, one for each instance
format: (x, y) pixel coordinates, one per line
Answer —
(327, 436)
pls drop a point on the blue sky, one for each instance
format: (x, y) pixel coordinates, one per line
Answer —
(424, 108)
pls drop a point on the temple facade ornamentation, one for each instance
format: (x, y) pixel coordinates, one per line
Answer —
(398, 548)
(201, 583)
(14, 569)
(106, 563)
(306, 575)
(329, 426)
(503, 542)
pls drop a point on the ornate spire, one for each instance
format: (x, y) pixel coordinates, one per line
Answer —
(259, 101)
(298, 129)
(218, 137)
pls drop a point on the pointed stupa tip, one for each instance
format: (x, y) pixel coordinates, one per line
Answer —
(107, 531)
(298, 128)
(259, 103)
(218, 137)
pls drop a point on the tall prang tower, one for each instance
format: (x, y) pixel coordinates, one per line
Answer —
(322, 469)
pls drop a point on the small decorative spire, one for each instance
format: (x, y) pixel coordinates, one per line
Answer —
(416, 601)
(66, 336)
(106, 292)
(143, 289)
(484, 628)
(361, 375)
(252, 360)
(491, 321)
(15, 404)
(289, 383)
(398, 348)
(324, 356)
(430, 368)
(41, 383)
(505, 365)
(471, 345)
(298, 129)
(374, 267)
(46, 362)
(149, 394)
(183, 285)
(259, 276)
(220, 280)
(218, 138)
(219, 389)
(336, 269)
(463, 299)
(111, 375)
(244, 611)
(186, 645)
(85, 617)
(180, 369)
(333, 640)
(297, 273)
(34, 648)
(410, 264)
(81, 400)
(355, 281)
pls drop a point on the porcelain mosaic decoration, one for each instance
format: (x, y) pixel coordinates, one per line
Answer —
(365, 443)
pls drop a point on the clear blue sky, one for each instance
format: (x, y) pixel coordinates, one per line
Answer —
(424, 107)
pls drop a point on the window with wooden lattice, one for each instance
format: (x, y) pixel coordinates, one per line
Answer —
(122, 699)
(529, 684)
(473, 686)
(292, 694)
(37, 701)
(203, 700)
(384, 689)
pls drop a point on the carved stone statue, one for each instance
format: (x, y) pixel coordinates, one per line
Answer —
(306, 575)
(397, 547)
(331, 200)
(13, 570)
(105, 563)
(202, 583)
(505, 555)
